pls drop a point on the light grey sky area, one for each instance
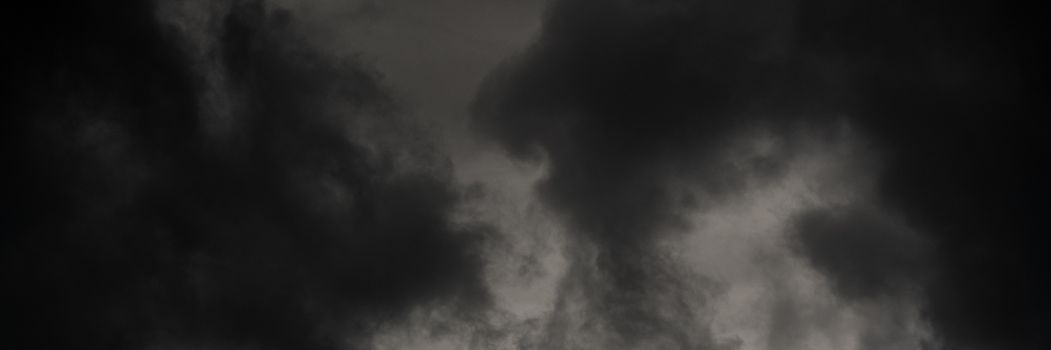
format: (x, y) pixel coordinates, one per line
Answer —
(432, 54)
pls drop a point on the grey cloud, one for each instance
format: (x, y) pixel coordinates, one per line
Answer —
(623, 98)
(864, 253)
(134, 224)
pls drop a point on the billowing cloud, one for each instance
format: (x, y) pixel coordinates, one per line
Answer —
(669, 174)
(194, 176)
(624, 100)
(864, 253)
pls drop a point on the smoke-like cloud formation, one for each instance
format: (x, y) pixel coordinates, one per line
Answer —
(623, 100)
(865, 255)
(191, 175)
(671, 174)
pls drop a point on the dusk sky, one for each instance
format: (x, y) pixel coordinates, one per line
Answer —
(525, 174)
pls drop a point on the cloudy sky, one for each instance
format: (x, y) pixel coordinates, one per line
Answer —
(525, 174)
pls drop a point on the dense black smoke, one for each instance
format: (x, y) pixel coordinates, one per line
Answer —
(142, 212)
(624, 98)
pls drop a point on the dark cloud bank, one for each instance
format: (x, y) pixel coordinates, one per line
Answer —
(621, 97)
(246, 191)
(133, 218)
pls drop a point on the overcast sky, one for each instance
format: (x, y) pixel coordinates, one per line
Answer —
(525, 174)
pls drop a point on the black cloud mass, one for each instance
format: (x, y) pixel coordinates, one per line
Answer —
(621, 96)
(205, 175)
(129, 222)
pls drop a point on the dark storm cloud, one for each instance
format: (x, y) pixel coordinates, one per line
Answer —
(620, 97)
(129, 223)
(870, 258)
(865, 254)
